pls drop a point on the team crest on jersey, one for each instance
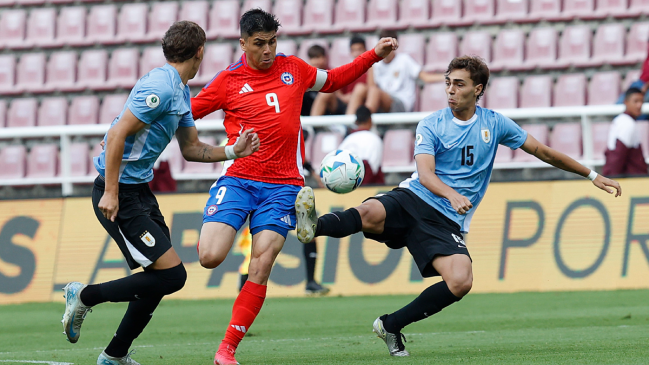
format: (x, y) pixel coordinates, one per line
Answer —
(287, 78)
(212, 209)
(486, 135)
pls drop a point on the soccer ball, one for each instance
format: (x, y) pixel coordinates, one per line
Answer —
(341, 171)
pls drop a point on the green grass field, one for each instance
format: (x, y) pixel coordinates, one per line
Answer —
(544, 328)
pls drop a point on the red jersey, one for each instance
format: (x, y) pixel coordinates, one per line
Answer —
(270, 101)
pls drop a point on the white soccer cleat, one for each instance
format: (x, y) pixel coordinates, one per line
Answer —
(75, 311)
(392, 340)
(306, 216)
(104, 359)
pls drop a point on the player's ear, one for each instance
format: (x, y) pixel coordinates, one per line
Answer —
(478, 90)
(200, 53)
(242, 44)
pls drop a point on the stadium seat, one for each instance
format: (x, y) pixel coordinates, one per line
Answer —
(53, 111)
(254, 4)
(59, 1)
(8, 74)
(504, 154)
(289, 13)
(92, 69)
(340, 52)
(195, 11)
(131, 23)
(307, 43)
(7, 3)
(414, 44)
(636, 43)
(111, 107)
(578, 9)
(95, 152)
(163, 14)
(3, 113)
(287, 47)
(324, 143)
(22, 113)
(12, 162)
(217, 57)
(574, 47)
(615, 8)
(174, 157)
(433, 97)
(541, 50)
(503, 93)
(415, 13)
(31, 72)
(71, 26)
(477, 43)
(398, 145)
(100, 24)
(536, 92)
(192, 167)
(511, 10)
(122, 69)
(318, 15)
(479, 12)
(604, 88)
(12, 28)
(382, 14)
(540, 133)
(643, 131)
(446, 12)
(599, 133)
(630, 77)
(42, 161)
(83, 110)
(441, 49)
(549, 10)
(349, 15)
(79, 159)
(608, 46)
(508, 51)
(224, 20)
(61, 72)
(639, 7)
(41, 27)
(570, 90)
(152, 57)
(566, 138)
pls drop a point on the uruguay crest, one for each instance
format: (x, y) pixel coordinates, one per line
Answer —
(486, 135)
(287, 78)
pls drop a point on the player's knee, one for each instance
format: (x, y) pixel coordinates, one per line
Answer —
(173, 279)
(210, 260)
(460, 284)
(372, 220)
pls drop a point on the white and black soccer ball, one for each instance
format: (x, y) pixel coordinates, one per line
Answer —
(341, 171)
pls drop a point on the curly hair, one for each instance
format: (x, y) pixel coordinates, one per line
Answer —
(477, 69)
(182, 40)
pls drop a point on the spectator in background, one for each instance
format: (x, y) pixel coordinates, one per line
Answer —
(317, 58)
(337, 103)
(367, 146)
(624, 152)
(392, 83)
(642, 83)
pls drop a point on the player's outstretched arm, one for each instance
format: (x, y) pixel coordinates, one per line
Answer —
(195, 150)
(562, 161)
(430, 180)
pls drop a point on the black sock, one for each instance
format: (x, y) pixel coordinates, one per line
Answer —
(339, 224)
(91, 295)
(137, 316)
(432, 300)
(310, 255)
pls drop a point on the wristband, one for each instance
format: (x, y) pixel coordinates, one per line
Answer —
(229, 152)
(592, 176)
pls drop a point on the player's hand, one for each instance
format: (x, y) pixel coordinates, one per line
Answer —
(460, 203)
(109, 205)
(247, 144)
(606, 184)
(385, 46)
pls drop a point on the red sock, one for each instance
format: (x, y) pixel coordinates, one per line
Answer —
(245, 310)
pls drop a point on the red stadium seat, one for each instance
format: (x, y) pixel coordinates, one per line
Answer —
(441, 49)
(83, 110)
(307, 43)
(254, 4)
(8, 74)
(414, 13)
(224, 20)
(608, 46)
(541, 50)
(287, 47)
(12, 28)
(7, 2)
(581, 9)
(566, 138)
(192, 167)
(544, 10)
(414, 44)
(639, 7)
(574, 48)
(503, 93)
(616, 8)
(79, 159)
(131, 23)
(174, 157)
(636, 43)
(604, 88)
(217, 57)
(111, 107)
(340, 52)
(122, 69)
(599, 133)
(318, 15)
(511, 10)
(349, 15)
(540, 133)
(477, 43)
(31, 72)
(42, 161)
(479, 12)
(62, 72)
(446, 12)
(12, 162)
(398, 146)
(324, 143)
(152, 57)
(53, 111)
(570, 90)
(631, 77)
(22, 113)
(40, 28)
(3, 113)
(95, 152)
(433, 97)
(536, 92)
(504, 154)
(162, 16)
(382, 14)
(101, 23)
(195, 11)
(289, 13)
(92, 69)
(508, 51)
(71, 26)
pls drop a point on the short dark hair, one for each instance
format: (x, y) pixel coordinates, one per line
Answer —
(257, 20)
(356, 39)
(182, 40)
(316, 51)
(388, 33)
(363, 114)
(477, 69)
(632, 91)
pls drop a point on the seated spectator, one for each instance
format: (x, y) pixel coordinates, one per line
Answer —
(337, 102)
(317, 58)
(392, 83)
(367, 146)
(624, 153)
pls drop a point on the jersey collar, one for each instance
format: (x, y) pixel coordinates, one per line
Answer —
(177, 80)
(465, 122)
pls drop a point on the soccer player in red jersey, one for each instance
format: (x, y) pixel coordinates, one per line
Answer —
(263, 90)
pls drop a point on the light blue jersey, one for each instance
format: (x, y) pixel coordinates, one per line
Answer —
(162, 101)
(464, 155)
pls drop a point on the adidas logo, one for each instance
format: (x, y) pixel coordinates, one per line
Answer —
(245, 89)
(239, 328)
(286, 219)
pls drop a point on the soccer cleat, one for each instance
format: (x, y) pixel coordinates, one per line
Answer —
(104, 359)
(306, 216)
(313, 288)
(225, 355)
(392, 340)
(75, 311)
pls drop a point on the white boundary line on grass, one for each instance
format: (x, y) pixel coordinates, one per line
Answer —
(39, 362)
